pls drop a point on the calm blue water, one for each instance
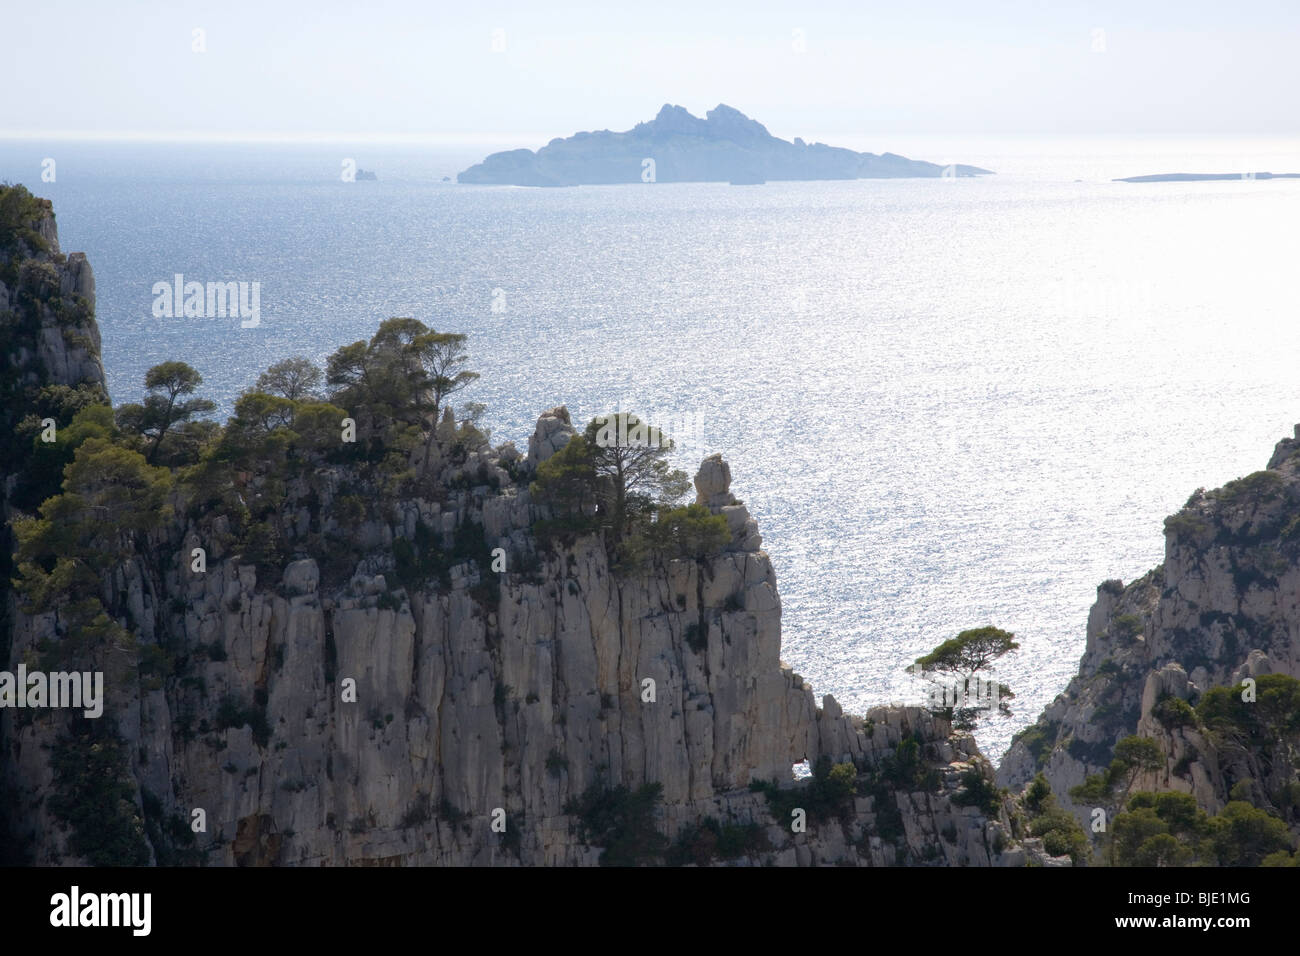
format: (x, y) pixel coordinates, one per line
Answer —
(948, 403)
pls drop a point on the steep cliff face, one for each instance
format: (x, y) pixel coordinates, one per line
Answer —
(448, 685)
(49, 341)
(50, 298)
(1224, 606)
(49, 364)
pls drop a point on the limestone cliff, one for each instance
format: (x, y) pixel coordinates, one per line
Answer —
(422, 667)
(1224, 606)
(51, 337)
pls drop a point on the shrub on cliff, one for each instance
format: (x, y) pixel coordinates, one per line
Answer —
(978, 791)
(1281, 858)
(111, 498)
(692, 532)
(1254, 489)
(232, 713)
(702, 843)
(904, 769)
(1271, 716)
(828, 794)
(1173, 712)
(1168, 829)
(419, 561)
(94, 795)
(267, 432)
(1038, 740)
(43, 475)
(1131, 831)
(19, 211)
(1242, 835)
(1133, 755)
(376, 384)
(1061, 835)
(689, 532)
(1039, 796)
(621, 821)
(1127, 627)
(1187, 527)
(1059, 830)
(566, 482)
(616, 475)
(1178, 810)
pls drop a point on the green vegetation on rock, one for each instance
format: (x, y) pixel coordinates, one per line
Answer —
(1168, 829)
(622, 821)
(1058, 829)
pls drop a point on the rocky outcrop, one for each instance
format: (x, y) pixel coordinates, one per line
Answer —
(713, 491)
(725, 146)
(553, 431)
(49, 298)
(1225, 605)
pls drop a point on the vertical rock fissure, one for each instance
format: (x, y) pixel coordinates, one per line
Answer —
(417, 646)
(617, 586)
(445, 652)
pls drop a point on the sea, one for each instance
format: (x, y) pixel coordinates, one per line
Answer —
(948, 402)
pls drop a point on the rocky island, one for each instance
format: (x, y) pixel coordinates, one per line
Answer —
(1203, 177)
(676, 147)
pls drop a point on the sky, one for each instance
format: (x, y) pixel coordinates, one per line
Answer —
(501, 71)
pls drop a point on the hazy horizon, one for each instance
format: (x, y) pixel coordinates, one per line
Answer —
(510, 73)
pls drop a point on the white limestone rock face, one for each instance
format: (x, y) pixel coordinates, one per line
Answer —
(1224, 606)
(713, 491)
(302, 576)
(553, 431)
(713, 484)
(388, 724)
(1256, 665)
(1170, 681)
(59, 302)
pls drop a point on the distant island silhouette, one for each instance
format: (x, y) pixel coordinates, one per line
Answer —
(676, 147)
(1202, 177)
